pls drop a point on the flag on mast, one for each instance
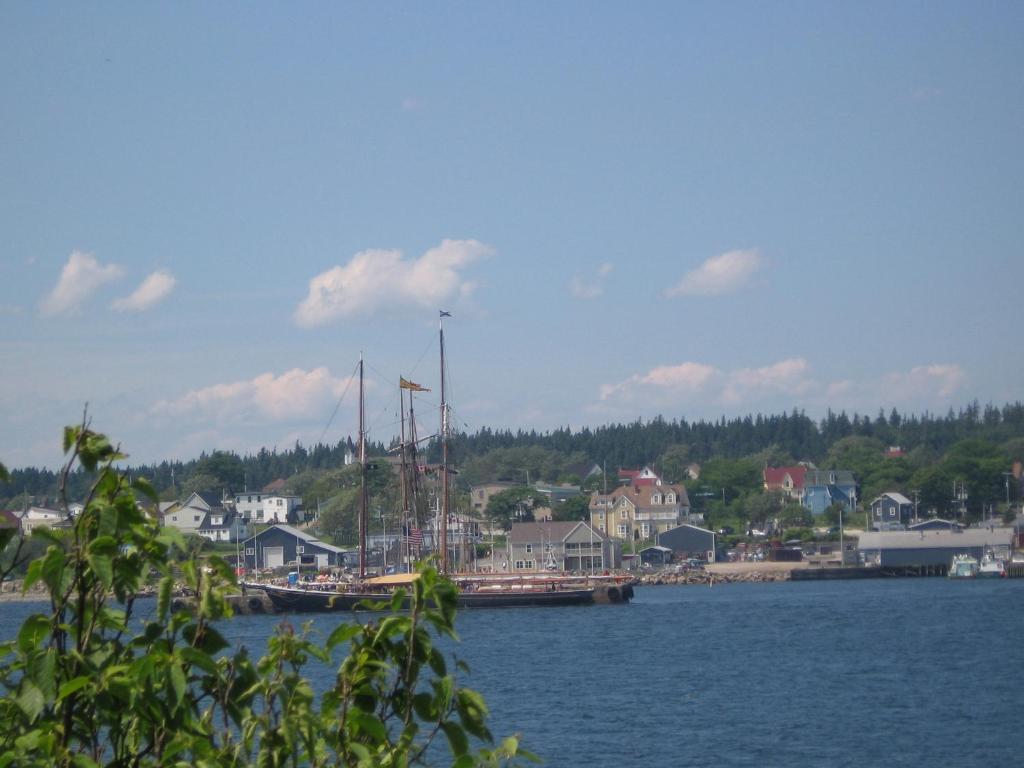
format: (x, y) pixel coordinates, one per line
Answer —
(445, 314)
(412, 386)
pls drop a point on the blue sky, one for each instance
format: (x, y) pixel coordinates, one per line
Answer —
(687, 209)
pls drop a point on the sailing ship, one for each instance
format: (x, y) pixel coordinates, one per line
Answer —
(474, 590)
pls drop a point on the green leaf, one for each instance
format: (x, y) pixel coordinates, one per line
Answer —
(32, 575)
(143, 486)
(342, 634)
(30, 699)
(103, 566)
(33, 631)
(164, 599)
(43, 671)
(71, 686)
(199, 659)
(456, 738)
(178, 683)
(370, 724)
(70, 436)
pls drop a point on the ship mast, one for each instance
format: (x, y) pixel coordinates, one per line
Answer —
(444, 456)
(406, 528)
(362, 474)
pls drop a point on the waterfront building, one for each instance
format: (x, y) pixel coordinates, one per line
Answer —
(284, 545)
(656, 555)
(559, 546)
(932, 547)
(688, 541)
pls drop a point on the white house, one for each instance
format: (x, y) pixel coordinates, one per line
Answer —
(37, 517)
(223, 525)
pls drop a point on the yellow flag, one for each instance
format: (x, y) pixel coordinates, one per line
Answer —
(411, 385)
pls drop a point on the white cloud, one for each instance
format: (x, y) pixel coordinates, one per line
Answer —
(683, 379)
(581, 288)
(784, 384)
(668, 384)
(925, 381)
(379, 279)
(81, 277)
(293, 394)
(789, 377)
(10, 310)
(151, 292)
(719, 274)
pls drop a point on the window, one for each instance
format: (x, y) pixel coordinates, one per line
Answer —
(622, 529)
(195, 518)
(600, 515)
(250, 550)
(655, 498)
(299, 549)
(624, 513)
(529, 548)
(670, 498)
(529, 565)
(601, 527)
(519, 565)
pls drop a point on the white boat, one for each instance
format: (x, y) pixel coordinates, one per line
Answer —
(991, 567)
(963, 567)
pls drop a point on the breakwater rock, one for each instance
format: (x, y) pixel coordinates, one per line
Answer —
(706, 578)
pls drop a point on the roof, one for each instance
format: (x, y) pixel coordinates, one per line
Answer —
(688, 525)
(274, 486)
(9, 519)
(932, 539)
(527, 533)
(640, 495)
(227, 521)
(824, 477)
(935, 522)
(308, 538)
(656, 547)
(899, 498)
(777, 475)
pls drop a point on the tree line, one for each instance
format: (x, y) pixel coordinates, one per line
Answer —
(974, 445)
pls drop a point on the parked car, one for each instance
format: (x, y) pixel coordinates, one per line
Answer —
(726, 530)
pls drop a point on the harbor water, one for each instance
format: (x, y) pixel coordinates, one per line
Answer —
(900, 672)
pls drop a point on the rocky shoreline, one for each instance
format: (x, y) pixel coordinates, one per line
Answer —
(710, 578)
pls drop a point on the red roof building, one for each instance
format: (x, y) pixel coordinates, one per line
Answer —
(788, 480)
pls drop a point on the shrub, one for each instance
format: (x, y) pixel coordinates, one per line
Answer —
(89, 682)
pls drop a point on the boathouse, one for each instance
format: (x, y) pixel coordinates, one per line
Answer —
(924, 548)
(284, 545)
(688, 541)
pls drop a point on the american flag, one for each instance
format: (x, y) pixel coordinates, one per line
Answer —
(414, 536)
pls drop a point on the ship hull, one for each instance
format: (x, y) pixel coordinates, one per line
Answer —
(298, 600)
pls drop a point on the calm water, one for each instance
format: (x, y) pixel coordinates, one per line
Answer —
(896, 672)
